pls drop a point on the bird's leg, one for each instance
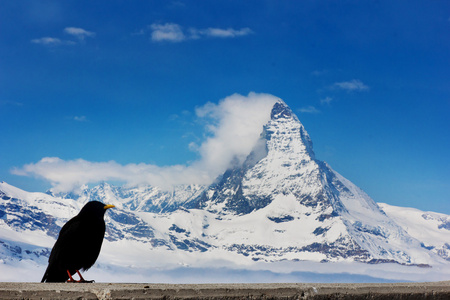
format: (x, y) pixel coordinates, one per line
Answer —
(70, 277)
(82, 279)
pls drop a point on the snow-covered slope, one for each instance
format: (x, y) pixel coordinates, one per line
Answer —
(143, 198)
(139, 245)
(281, 205)
(430, 228)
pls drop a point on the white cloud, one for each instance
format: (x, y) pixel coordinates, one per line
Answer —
(309, 110)
(79, 33)
(47, 41)
(174, 33)
(67, 175)
(225, 33)
(50, 41)
(352, 85)
(234, 125)
(80, 118)
(326, 101)
(167, 32)
(237, 123)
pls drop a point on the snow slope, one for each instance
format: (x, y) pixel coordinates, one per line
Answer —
(430, 228)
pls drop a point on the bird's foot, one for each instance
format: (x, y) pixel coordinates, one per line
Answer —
(87, 281)
(82, 280)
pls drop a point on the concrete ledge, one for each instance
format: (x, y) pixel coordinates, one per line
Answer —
(105, 291)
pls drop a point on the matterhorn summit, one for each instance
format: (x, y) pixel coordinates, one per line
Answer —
(313, 212)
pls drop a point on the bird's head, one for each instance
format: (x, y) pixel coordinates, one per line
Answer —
(95, 208)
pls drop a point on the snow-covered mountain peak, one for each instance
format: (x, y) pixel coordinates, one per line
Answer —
(282, 162)
(337, 218)
(281, 110)
(284, 132)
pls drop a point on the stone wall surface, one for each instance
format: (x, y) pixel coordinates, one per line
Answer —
(105, 291)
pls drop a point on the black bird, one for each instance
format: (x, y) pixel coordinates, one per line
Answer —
(78, 244)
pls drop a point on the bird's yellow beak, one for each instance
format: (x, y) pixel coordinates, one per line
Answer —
(108, 206)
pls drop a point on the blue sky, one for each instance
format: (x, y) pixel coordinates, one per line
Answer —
(127, 84)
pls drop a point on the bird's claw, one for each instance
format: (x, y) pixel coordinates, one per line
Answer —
(88, 281)
(82, 280)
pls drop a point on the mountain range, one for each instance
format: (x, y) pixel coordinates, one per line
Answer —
(281, 205)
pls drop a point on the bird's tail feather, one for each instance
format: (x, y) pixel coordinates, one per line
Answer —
(54, 275)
